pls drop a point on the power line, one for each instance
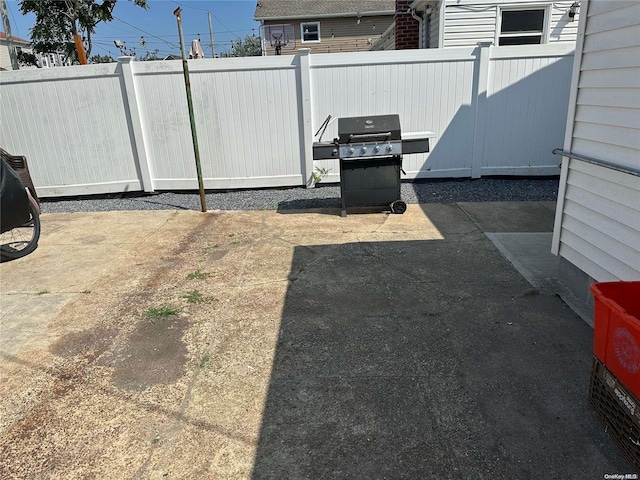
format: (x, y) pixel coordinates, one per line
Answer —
(165, 36)
(228, 30)
(14, 21)
(172, 45)
(189, 6)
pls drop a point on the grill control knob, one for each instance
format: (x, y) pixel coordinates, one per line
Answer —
(363, 150)
(389, 148)
(351, 151)
(376, 149)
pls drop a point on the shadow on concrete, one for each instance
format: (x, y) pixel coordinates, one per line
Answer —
(290, 206)
(427, 359)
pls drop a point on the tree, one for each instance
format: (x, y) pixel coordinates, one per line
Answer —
(26, 59)
(101, 59)
(249, 46)
(150, 55)
(57, 21)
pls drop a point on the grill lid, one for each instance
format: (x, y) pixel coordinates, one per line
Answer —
(375, 128)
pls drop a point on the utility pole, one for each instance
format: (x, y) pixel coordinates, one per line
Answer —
(82, 54)
(7, 30)
(211, 44)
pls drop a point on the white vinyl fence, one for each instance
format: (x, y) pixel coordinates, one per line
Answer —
(125, 126)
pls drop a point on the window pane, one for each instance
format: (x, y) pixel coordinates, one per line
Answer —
(522, 21)
(310, 32)
(523, 40)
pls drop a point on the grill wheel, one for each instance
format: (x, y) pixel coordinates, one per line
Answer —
(398, 207)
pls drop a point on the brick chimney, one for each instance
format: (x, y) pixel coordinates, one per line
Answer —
(406, 29)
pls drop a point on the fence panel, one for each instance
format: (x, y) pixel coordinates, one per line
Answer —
(247, 118)
(431, 90)
(526, 109)
(72, 125)
(124, 127)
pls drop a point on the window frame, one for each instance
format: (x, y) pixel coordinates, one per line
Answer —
(544, 34)
(302, 25)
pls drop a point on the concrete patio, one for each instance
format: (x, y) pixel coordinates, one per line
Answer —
(175, 344)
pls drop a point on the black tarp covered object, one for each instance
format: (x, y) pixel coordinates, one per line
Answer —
(14, 202)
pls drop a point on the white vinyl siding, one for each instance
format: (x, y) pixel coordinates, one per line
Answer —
(599, 214)
(601, 222)
(561, 28)
(468, 22)
(465, 25)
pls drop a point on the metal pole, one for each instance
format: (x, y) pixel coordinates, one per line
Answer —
(187, 84)
(7, 30)
(211, 44)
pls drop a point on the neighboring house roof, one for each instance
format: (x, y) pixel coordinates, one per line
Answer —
(276, 9)
(3, 36)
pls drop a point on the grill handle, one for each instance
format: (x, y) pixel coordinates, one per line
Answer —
(365, 136)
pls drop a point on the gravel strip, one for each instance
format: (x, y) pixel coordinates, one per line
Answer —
(323, 196)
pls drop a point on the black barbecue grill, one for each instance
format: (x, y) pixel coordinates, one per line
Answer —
(370, 152)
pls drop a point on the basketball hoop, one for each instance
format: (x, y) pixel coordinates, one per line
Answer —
(280, 37)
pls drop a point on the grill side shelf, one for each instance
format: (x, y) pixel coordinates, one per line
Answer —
(324, 151)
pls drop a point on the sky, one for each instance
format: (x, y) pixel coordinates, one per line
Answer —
(231, 19)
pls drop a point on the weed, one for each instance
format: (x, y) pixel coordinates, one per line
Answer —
(194, 296)
(235, 242)
(198, 274)
(205, 359)
(164, 311)
(319, 173)
(42, 292)
(232, 235)
(209, 248)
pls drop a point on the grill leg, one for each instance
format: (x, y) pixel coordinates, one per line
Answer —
(343, 212)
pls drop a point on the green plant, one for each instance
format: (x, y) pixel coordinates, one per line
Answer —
(42, 292)
(56, 22)
(159, 312)
(205, 359)
(319, 173)
(209, 248)
(194, 296)
(198, 274)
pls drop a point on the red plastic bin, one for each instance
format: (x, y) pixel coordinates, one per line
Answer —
(617, 330)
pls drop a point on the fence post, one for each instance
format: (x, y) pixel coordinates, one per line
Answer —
(131, 104)
(480, 98)
(307, 114)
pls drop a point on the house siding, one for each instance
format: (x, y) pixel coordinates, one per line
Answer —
(598, 217)
(5, 59)
(337, 34)
(472, 21)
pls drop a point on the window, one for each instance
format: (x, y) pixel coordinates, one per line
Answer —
(522, 27)
(310, 32)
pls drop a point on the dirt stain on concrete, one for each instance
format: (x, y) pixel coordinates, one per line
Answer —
(216, 255)
(153, 354)
(88, 343)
